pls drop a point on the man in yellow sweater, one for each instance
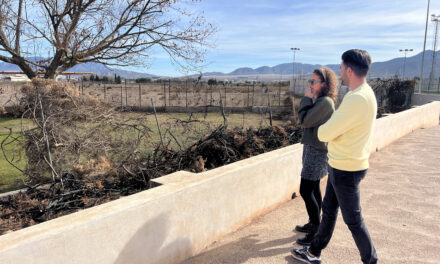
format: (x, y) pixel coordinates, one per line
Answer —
(349, 134)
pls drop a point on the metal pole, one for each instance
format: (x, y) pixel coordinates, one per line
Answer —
(436, 20)
(404, 61)
(424, 47)
(293, 68)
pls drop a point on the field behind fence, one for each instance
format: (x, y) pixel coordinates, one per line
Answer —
(188, 95)
(192, 96)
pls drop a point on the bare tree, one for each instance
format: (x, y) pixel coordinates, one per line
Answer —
(112, 32)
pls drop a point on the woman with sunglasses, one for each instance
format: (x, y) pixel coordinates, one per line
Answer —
(316, 107)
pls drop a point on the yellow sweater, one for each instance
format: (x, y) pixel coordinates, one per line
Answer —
(349, 132)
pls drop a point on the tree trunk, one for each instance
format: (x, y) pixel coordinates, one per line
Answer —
(25, 67)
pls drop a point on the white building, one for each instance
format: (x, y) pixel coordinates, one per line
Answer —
(15, 78)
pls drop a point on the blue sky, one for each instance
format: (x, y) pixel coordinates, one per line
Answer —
(261, 32)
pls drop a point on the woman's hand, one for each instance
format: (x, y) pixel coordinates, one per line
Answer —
(309, 92)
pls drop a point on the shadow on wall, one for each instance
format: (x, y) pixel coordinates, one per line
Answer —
(149, 244)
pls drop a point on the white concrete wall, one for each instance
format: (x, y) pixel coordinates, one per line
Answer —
(166, 224)
(172, 222)
(392, 127)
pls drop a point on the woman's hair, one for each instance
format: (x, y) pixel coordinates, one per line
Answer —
(330, 88)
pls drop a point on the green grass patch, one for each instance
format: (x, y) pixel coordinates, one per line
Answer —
(10, 177)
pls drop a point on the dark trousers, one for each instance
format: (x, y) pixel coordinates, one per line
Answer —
(343, 191)
(311, 194)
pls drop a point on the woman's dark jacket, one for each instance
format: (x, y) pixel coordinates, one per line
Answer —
(313, 114)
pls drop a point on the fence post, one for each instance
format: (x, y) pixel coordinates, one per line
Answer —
(249, 88)
(186, 94)
(164, 96)
(210, 101)
(82, 89)
(126, 93)
(140, 97)
(279, 95)
(121, 96)
(169, 92)
(206, 94)
(270, 108)
(253, 93)
(225, 121)
(105, 93)
(225, 96)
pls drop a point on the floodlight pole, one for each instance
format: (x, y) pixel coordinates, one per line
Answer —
(293, 67)
(424, 48)
(404, 61)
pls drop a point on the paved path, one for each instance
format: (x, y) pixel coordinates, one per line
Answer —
(400, 199)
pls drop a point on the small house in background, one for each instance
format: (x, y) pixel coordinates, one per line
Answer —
(14, 78)
(62, 78)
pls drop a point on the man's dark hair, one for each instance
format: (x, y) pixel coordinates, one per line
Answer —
(358, 60)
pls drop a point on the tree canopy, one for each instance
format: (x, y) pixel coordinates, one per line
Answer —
(112, 32)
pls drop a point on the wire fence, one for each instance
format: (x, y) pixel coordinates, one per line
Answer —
(197, 96)
(430, 85)
(190, 95)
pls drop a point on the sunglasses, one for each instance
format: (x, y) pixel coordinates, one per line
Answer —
(314, 81)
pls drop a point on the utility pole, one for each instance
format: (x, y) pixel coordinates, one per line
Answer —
(436, 20)
(295, 118)
(424, 47)
(293, 68)
(404, 61)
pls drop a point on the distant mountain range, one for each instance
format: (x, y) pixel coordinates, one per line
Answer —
(385, 69)
(95, 68)
(378, 69)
